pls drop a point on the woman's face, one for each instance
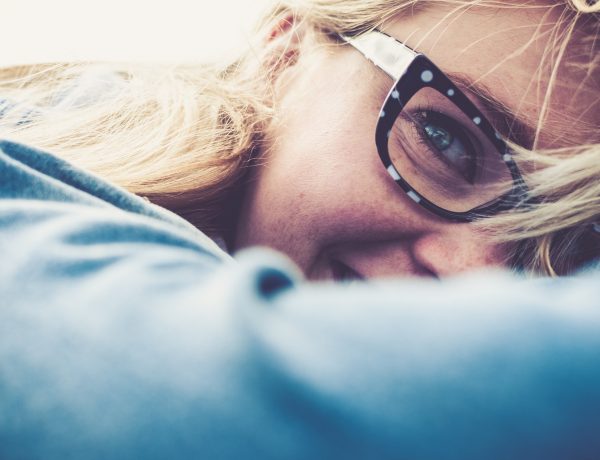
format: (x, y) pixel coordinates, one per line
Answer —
(322, 195)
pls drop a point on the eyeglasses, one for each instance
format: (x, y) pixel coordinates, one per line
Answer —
(434, 142)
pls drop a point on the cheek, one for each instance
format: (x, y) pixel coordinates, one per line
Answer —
(322, 148)
(312, 185)
(307, 185)
(321, 178)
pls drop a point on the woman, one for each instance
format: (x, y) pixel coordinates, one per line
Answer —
(533, 77)
(125, 333)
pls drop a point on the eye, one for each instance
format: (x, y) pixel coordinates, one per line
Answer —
(449, 141)
(437, 149)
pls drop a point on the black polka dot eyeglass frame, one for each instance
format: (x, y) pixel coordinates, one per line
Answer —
(412, 71)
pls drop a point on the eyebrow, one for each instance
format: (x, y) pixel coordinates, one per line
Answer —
(511, 126)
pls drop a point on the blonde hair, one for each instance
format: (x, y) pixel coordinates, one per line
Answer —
(184, 136)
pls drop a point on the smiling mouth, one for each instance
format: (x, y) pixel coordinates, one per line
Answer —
(343, 273)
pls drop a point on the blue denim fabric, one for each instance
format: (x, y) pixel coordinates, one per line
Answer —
(127, 333)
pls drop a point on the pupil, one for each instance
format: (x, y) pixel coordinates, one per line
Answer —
(441, 138)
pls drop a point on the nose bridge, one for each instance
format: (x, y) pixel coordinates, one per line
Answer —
(456, 248)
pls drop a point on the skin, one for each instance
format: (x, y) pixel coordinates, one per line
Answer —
(321, 193)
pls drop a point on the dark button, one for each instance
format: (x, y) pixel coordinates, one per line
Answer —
(271, 282)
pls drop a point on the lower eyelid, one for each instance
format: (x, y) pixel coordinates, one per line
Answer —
(467, 143)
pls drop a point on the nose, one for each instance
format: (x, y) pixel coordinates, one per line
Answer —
(458, 248)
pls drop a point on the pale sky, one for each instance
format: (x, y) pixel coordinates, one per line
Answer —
(151, 30)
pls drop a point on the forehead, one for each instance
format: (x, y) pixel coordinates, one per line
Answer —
(505, 50)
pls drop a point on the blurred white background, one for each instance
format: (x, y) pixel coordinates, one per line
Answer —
(151, 30)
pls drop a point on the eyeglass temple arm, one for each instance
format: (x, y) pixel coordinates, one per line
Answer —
(387, 53)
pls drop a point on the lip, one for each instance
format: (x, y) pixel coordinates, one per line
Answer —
(342, 272)
(347, 262)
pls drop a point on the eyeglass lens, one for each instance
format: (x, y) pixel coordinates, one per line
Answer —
(444, 156)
